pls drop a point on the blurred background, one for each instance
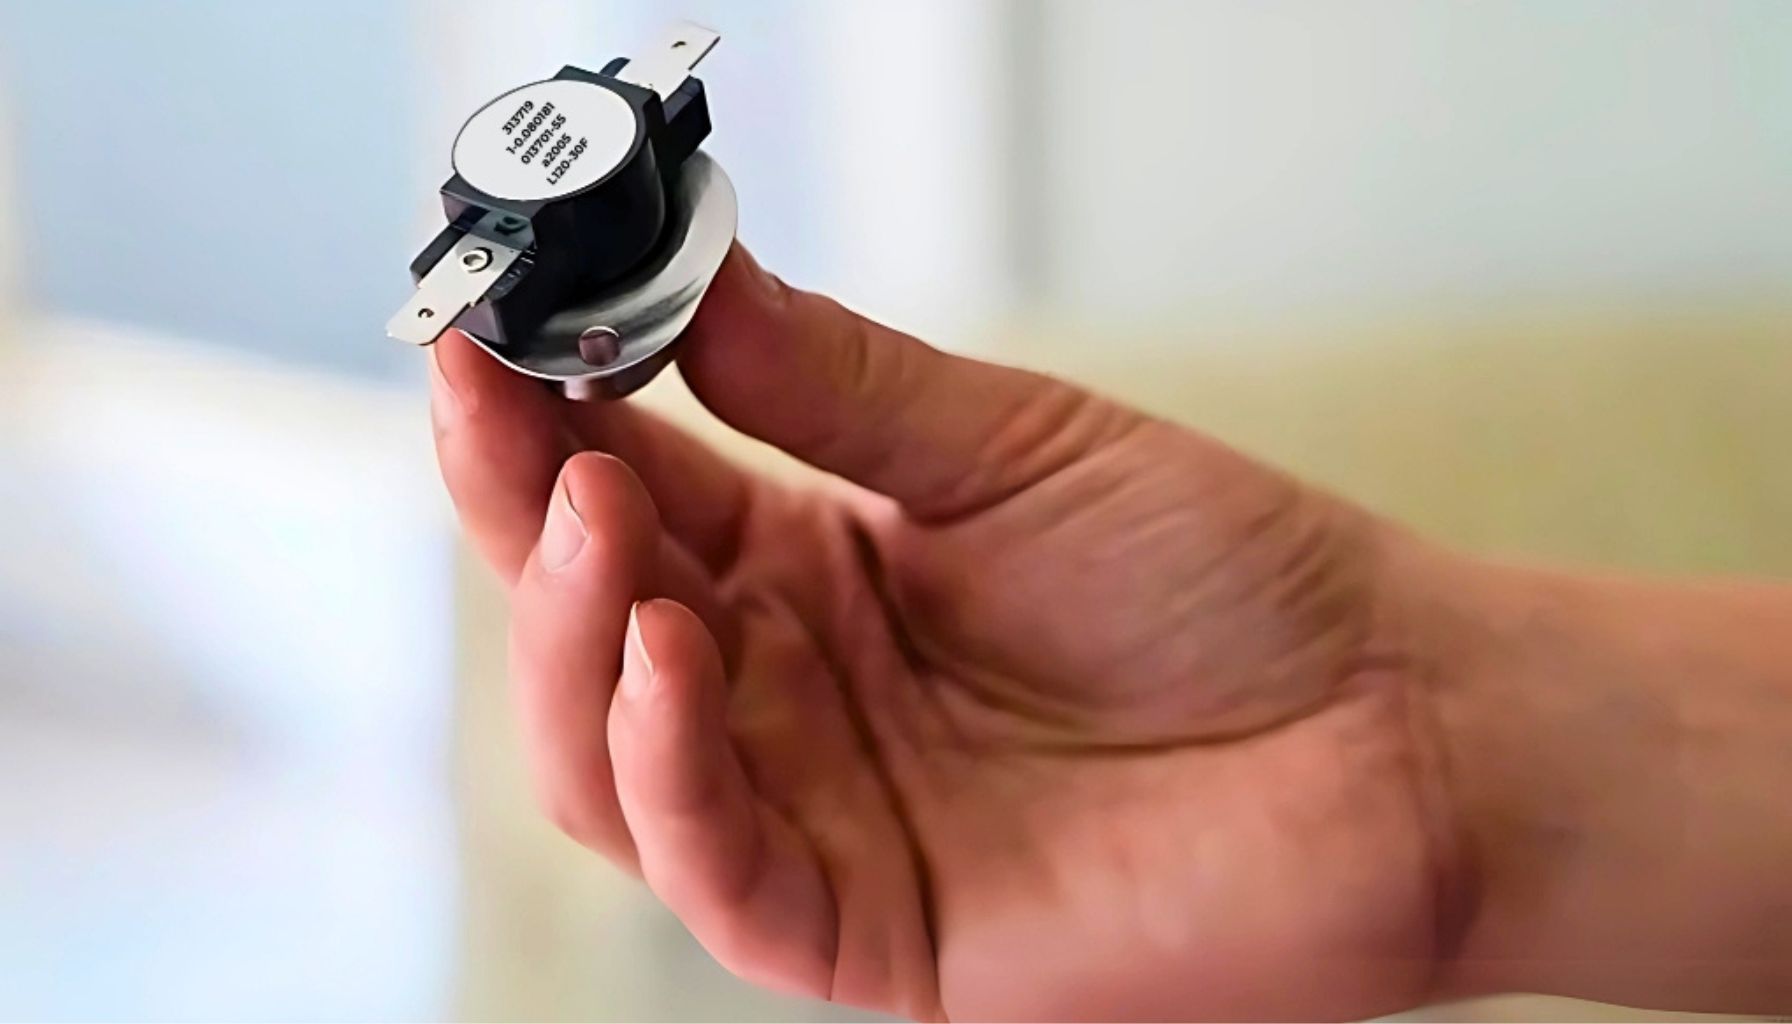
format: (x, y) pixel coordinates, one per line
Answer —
(1520, 273)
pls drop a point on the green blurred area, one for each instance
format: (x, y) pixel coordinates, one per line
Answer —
(1652, 441)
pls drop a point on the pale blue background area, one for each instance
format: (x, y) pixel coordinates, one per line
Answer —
(229, 172)
(223, 767)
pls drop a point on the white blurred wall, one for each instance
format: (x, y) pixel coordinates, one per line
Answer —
(1206, 160)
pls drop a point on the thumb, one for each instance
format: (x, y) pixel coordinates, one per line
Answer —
(941, 434)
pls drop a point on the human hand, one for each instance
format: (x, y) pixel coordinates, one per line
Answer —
(1061, 710)
(1049, 709)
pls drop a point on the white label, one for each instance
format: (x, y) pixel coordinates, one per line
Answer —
(545, 140)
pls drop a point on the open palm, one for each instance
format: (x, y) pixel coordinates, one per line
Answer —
(1054, 710)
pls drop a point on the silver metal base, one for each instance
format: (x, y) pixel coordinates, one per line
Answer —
(648, 310)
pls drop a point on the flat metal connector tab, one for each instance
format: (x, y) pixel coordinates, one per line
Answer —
(458, 281)
(669, 64)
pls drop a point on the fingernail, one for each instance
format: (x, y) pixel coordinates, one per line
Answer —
(636, 683)
(443, 395)
(459, 390)
(564, 533)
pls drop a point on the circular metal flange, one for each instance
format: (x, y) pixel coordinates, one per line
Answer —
(634, 323)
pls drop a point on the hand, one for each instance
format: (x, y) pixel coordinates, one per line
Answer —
(1056, 710)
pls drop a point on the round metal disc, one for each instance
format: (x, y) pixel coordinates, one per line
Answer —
(639, 317)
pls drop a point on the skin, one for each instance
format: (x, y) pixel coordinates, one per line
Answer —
(1047, 709)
